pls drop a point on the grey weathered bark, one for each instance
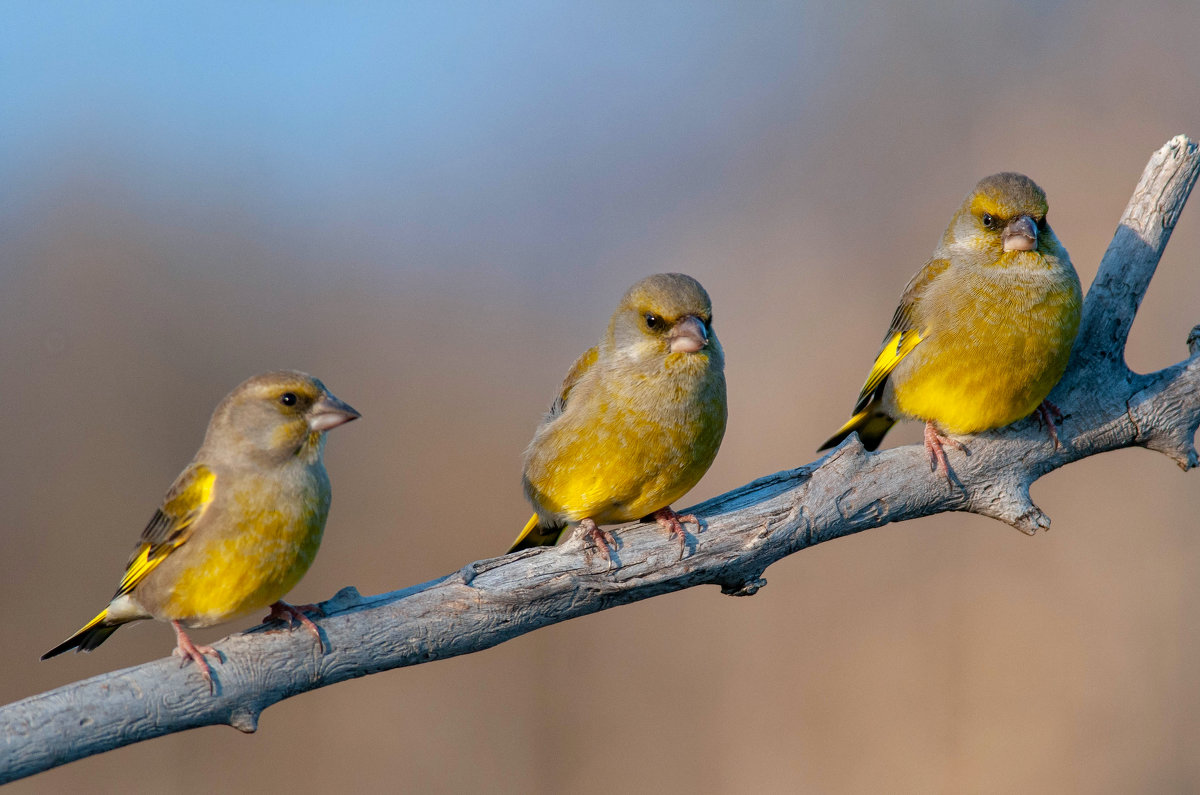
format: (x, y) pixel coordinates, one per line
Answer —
(1106, 406)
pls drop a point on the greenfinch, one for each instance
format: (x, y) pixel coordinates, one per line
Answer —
(240, 525)
(983, 332)
(637, 422)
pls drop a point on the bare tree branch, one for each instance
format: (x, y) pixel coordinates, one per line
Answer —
(1106, 406)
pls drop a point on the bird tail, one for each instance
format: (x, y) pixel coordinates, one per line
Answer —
(89, 637)
(534, 534)
(870, 424)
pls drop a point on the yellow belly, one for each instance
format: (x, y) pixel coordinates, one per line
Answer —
(626, 459)
(618, 477)
(229, 574)
(987, 366)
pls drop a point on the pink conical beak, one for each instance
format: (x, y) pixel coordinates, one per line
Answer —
(688, 335)
(1020, 234)
(329, 412)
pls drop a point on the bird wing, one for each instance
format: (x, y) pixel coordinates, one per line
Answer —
(904, 334)
(581, 366)
(172, 525)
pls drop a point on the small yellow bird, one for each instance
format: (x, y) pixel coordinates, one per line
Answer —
(983, 332)
(241, 524)
(638, 420)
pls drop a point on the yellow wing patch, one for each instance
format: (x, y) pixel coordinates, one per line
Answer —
(172, 523)
(894, 350)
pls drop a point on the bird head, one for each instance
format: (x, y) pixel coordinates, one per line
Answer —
(274, 417)
(663, 315)
(1003, 217)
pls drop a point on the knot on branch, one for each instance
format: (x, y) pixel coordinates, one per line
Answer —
(747, 588)
(1011, 504)
(1031, 520)
(244, 720)
(345, 598)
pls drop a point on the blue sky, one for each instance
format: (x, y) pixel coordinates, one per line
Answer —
(307, 91)
(409, 120)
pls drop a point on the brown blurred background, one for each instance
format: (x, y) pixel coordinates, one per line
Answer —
(434, 209)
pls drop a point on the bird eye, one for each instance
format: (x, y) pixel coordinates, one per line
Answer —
(989, 220)
(288, 398)
(653, 321)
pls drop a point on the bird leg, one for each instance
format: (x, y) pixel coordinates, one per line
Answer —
(603, 540)
(934, 439)
(1048, 416)
(282, 611)
(190, 651)
(673, 523)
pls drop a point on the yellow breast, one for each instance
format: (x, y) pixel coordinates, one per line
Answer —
(259, 546)
(993, 349)
(627, 451)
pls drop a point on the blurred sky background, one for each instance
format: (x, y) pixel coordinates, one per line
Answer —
(434, 207)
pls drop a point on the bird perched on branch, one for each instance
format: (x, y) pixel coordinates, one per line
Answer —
(241, 524)
(637, 422)
(983, 331)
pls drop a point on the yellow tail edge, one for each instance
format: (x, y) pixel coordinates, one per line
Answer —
(870, 425)
(534, 535)
(91, 635)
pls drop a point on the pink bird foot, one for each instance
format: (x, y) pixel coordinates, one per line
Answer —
(1048, 416)
(191, 652)
(602, 540)
(934, 439)
(282, 611)
(673, 523)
